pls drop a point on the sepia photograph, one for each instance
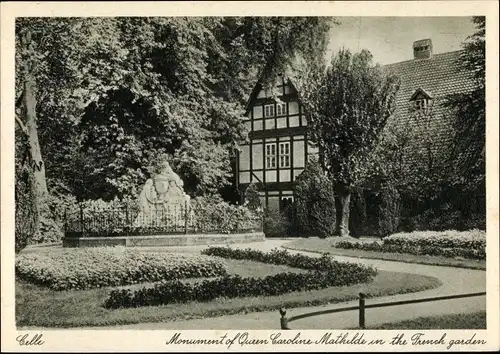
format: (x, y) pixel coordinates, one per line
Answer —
(281, 174)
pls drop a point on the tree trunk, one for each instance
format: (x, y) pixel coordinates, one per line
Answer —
(34, 152)
(342, 204)
(34, 145)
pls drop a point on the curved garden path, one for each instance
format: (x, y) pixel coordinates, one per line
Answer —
(454, 280)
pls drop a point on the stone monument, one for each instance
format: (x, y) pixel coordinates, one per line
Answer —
(162, 201)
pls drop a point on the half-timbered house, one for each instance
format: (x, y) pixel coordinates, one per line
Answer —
(278, 148)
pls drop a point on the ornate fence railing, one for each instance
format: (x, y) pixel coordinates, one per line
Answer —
(362, 306)
(174, 219)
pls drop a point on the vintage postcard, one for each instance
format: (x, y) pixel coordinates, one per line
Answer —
(249, 176)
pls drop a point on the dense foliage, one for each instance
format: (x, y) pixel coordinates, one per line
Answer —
(88, 268)
(26, 216)
(453, 244)
(98, 99)
(441, 179)
(375, 212)
(314, 202)
(468, 155)
(212, 213)
(347, 106)
(117, 217)
(277, 223)
(325, 273)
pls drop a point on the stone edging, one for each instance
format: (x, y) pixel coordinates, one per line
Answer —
(164, 240)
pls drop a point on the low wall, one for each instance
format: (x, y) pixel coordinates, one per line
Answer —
(163, 240)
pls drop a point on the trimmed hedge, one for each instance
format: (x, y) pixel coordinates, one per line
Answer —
(374, 212)
(324, 273)
(314, 202)
(474, 239)
(452, 244)
(214, 214)
(276, 224)
(275, 256)
(88, 268)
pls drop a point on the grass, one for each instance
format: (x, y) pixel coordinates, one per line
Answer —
(326, 245)
(460, 321)
(41, 307)
(243, 268)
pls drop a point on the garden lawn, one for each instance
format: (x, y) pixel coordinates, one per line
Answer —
(459, 321)
(326, 245)
(42, 307)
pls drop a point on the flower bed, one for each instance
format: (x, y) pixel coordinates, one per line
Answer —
(276, 256)
(452, 244)
(112, 266)
(323, 273)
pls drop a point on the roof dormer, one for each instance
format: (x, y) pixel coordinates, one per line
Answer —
(421, 99)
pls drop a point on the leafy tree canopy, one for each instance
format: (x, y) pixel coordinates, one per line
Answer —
(113, 93)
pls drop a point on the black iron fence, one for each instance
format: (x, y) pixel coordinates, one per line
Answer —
(172, 219)
(362, 306)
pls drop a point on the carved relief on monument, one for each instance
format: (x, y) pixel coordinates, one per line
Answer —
(163, 200)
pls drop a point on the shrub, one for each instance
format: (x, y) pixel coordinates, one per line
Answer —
(275, 256)
(112, 266)
(325, 273)
(252, 198)
(207, 214)
(276, 224)
(374, 212)
(471, 244)
(214, 214)
(357, 214)
(26, 214)
(388, 211)
(473, 239)
(314, 202)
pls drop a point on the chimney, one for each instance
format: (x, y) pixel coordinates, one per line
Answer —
(422, 49)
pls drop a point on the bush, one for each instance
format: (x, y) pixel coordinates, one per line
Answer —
(112, 266)
(276, 224)
(473, 239)
(214, 214)
(252, 198)
(357, 214)
(326, 273)
(374, 212)
(388, 211)
(453, 244)
(276, 256)
(314, 202)
(207, 214)
(26, 214)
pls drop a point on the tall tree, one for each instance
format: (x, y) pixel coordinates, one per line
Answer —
(53, 84)
(347, 106)
(185, 95)
(469, 154)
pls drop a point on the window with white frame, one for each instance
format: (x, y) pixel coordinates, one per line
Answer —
(284, 154)
(280, 109)
(269, 110)
(421, 104)
(286, 202)
(421, 100)
(271, 155)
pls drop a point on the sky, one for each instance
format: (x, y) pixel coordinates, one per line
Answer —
(390, 39)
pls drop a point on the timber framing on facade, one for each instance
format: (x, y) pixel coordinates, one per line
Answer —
(278, 148)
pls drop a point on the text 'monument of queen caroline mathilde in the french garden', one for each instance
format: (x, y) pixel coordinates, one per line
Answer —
(283, 182)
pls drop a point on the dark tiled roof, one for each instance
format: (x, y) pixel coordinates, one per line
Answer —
(438, 76)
